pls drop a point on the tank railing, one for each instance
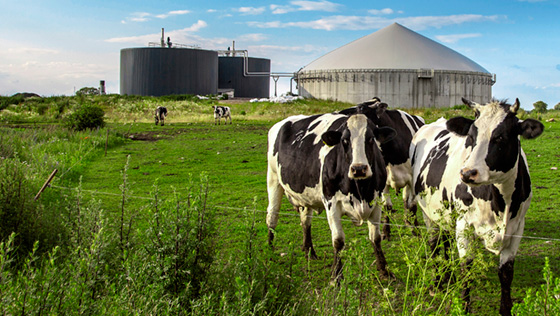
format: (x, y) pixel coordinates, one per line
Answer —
(246, 71)
(173, 45)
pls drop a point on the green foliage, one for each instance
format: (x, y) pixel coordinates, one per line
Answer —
(86, 116)
(88, 91)
(545, 301)
(540, 106)
(557, 106)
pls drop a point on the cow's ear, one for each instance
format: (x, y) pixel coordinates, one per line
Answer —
(331, 138)
(380, 108)
(459, 125)
(468, 102)
(384, 134)
(531, 128)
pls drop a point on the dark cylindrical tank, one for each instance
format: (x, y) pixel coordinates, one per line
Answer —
(157, 71)
(253, 84)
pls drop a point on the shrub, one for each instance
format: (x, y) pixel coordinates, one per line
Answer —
(543, 302)
(86, 116)
(87, 91)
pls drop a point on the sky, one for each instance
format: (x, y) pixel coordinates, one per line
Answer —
(57, 47)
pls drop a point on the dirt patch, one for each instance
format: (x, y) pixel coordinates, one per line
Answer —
(148, 136)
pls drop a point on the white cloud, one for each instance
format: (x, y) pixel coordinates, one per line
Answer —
(385, 11)
(454, 38)
(316, 6)
(341, 22)
(155, 37)
(250, 10)
(326, 6)
(145, 16)
(255, 37)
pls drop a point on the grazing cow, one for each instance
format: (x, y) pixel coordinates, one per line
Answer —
(473, 174)
(329, 161)
(221, 111)
(395, 153)
(161, 113)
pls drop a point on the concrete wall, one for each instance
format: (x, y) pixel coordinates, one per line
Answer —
(396, 87)
(157, 71)
(230, 76)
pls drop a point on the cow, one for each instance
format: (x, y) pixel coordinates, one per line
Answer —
(221, 111)
(331, 162)
(161, 113)
(473, 175)
(396, 155)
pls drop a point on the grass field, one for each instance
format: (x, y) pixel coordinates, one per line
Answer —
(233, 160)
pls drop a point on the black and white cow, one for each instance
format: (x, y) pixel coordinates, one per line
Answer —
(161, 113)
(477, 169)
(395, 152)
(330, 162)
(221, 111)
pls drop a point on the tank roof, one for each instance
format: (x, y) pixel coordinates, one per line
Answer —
(394, 47)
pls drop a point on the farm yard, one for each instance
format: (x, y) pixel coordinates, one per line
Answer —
(145, 219)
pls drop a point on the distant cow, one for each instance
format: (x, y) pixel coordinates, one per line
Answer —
(161, 113)
(221, 111)
(473, 174)
(329, 161)
(395, 152)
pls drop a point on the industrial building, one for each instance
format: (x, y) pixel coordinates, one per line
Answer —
(401, 67)
(166, 68)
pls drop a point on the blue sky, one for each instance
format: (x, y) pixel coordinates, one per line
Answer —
(57, 47)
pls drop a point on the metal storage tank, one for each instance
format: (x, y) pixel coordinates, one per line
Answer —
(249, 77)
(157, 71)
(401, 67)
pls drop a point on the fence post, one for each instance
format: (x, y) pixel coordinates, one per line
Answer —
(46, 183)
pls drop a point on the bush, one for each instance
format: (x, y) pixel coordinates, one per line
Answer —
(87, 116)
(87, 91)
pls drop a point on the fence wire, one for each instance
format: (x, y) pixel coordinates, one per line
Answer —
(288, 214)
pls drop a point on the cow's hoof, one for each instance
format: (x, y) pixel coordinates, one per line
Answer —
(387, 275)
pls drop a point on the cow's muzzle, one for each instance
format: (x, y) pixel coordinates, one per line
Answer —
(359, 171)
(469, 175)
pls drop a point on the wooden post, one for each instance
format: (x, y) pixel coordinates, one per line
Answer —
(106, 141)
(46, 183)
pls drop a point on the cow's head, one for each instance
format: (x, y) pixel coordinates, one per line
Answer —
(357, 139)
(493, 140)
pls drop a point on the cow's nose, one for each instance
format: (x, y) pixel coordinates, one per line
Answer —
(359, 171)
(469, 175)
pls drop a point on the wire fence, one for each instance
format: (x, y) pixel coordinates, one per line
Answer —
(292, 214)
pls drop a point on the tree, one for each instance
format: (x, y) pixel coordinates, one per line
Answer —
(540, 106)
(87, 91)
(557, 106)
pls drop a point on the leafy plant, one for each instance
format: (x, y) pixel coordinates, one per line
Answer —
(545, 301)
(86, 116)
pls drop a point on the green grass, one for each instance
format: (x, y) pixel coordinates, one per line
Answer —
(233, 158)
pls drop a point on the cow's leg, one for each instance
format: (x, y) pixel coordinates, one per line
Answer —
(463, 247)
(162, 120)
(305, 215)
(375, 238)
(230, 120)
(505, 271)
(388, 208)
(334, 217)
(157, 120)
(439, 237)
(411, 208)
(275, 192)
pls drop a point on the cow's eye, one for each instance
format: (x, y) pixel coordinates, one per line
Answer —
(370, 140)
(345, 142)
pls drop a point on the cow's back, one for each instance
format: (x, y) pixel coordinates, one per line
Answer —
(295, 155)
